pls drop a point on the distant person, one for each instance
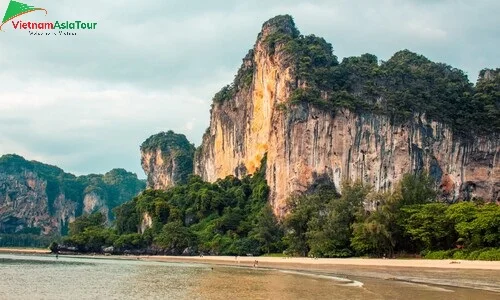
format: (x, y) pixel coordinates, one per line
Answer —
(256, 264)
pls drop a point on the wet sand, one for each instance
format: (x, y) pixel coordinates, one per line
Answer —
(126, 277)
(478, 275)
(474, 275)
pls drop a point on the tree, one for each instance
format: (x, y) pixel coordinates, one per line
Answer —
(428, 226)
(175, 236)
(267, 231)
(477, 226)
(127, 218)
(54, 247)
(129, 241)
(374, 232)
(320, 224)
(86, 221)
(417, 189)
(296, 223)
(341, 215)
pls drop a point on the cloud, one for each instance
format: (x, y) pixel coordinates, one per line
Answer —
(86, 103)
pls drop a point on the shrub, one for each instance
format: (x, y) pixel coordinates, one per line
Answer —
(474, 255)
(54, 247)
(442, 254)
(460, 254)
(490, 254)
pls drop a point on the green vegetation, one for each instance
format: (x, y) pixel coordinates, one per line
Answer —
(114, 188)
(25, 240)
(491, 254)
(54, 247)
(242, 81)
(225, 94)
(176, 147)
(58, 182)
(167, 142)
(232, 217)
(485, 104)
(89, 232)
(409, 220)
(406, 85)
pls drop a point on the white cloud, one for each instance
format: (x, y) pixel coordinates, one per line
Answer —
(425, 31)
(86, 103)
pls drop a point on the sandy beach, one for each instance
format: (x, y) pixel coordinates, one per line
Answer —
(296, 262)
(24, 251)
(328, 263)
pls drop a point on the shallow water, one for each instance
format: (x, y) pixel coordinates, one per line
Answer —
(45, 277)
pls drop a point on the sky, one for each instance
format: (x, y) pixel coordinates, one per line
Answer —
(85, 103)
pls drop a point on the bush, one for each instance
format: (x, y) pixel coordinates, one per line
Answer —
(490, 254)
(474, 255)
(442, 254)
(460, 254)
(54, 247)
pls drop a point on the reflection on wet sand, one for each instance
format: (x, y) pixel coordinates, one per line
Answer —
(271, 284)
(45, 277)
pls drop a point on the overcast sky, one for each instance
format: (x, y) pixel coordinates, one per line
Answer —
(85, 103)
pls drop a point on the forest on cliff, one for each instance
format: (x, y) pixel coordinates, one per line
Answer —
(232, 217)
(37, 200)
(406, 85)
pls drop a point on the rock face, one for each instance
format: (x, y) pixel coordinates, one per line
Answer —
(38, 198)
(146, 222)
(305, 145)
(24, 203)
(92, 202)
(167, 159)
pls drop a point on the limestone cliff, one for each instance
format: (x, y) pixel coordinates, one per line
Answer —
(261, 112)
(24, 204)
(43, 199)
(92, 203)
(167, 159)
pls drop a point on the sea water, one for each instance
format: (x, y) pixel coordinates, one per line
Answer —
(48, 277)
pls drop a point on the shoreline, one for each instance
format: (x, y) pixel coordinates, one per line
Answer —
(326, 264)
(303, 263)
(477, 275)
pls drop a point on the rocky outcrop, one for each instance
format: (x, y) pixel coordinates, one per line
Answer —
(42, 199)
(24, 204)
(167, 159)
(92, 202)
(146, 222)
(305, 144)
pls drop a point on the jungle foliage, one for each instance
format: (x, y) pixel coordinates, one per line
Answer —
(232, 217)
